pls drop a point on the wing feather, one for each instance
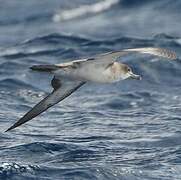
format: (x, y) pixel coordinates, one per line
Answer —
(112, 56)
(105, 59)
(154, 51)
(58, 94)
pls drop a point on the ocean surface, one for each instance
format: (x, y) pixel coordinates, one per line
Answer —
(130, 130)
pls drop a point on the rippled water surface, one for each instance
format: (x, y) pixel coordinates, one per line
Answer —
(129, 130)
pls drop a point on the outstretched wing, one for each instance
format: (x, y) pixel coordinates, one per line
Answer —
(154, 51)
(62, 89)
(108, 58)
(105, 59)
(112, 56)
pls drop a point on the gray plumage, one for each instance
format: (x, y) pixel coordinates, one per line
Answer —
(68, 77)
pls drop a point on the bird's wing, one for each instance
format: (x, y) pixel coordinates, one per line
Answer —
(108, 58)
(165, 53)
(105, 59)
(62, 89)
(112, 56)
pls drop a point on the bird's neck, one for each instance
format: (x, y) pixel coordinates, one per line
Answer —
(113, 73)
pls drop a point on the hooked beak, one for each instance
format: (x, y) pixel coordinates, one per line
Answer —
(135, 76)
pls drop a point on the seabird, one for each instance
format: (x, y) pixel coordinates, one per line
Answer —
(70, 76)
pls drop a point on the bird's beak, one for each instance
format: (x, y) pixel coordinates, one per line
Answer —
(135, 76)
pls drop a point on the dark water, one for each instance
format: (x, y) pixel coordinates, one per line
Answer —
(130, 130)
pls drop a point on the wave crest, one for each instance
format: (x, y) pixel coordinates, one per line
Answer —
(84, 10)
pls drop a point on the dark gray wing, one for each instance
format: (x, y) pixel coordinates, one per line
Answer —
(62, 89)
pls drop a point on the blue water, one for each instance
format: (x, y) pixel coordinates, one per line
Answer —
(130, 130)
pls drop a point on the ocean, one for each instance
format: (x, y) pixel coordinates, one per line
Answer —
(130, 130)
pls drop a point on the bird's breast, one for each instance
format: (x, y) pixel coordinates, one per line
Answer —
(97, 74)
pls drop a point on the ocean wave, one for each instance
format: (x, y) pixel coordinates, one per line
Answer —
(43, 147)
(51, 44)
(55, 44)
(128, 130)
(56, 38)
(8, 169)
(14, 83)
(84, 10)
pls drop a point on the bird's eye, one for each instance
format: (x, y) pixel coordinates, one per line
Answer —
(129, 69)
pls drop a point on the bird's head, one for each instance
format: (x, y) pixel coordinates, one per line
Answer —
(126, 72)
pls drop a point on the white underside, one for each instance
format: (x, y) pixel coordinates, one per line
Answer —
(91, 72)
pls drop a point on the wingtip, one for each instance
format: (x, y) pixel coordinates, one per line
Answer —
(174, 57)
(7, 130)
(12, 127)
(162, 52)
(168, 54)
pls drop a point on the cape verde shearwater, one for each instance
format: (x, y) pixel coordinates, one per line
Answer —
(68, 77)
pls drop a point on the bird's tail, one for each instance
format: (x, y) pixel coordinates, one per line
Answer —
(45, 68)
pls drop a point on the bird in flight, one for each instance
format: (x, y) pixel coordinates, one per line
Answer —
(70, 76)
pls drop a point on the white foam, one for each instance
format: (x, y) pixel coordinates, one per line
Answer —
(8, 51)
(84, 10)
(14, 168)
